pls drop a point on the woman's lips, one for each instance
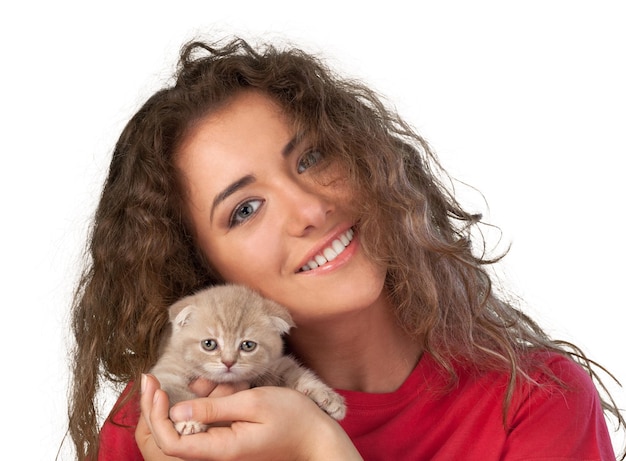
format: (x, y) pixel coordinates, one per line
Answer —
(330, 253)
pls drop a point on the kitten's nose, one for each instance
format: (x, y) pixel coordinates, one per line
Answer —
(228, 363)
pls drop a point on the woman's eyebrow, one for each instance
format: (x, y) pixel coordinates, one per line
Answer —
(249, 179)
(231, 189)
(292, 144)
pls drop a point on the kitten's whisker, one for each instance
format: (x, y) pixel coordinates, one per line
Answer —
(230, 334)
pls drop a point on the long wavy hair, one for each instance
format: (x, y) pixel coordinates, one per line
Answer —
(142, 257)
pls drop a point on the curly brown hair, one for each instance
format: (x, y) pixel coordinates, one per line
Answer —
(142, 257)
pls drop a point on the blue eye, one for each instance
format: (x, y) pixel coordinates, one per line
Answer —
(244, 210)
(209, 344)
(309, 159)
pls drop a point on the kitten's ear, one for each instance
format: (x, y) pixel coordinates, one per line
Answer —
(183, 317)
(279, 316)
(280, 324)
(180, 312)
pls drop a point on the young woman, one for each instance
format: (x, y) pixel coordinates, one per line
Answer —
(261, 167)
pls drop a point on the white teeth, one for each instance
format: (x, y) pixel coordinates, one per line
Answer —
(319, 259)
(338, 246)
(328, 254)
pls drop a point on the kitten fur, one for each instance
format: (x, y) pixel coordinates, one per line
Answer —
(229, 334)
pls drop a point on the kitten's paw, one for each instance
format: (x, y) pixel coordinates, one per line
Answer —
(190, 427)
(329, 401)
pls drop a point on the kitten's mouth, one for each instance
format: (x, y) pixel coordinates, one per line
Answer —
(329, 253)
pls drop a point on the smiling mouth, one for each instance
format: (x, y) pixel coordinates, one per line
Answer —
(329, 253)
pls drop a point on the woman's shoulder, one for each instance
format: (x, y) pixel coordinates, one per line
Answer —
(547, 368)
(117, 435)
(559, 404)
(536, 369)
(558, 389)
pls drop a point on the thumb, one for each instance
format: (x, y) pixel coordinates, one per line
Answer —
(239, 406)
(154, 401)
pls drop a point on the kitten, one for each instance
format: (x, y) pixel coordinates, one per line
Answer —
(230, 334)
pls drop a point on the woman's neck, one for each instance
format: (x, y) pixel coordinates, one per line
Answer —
(364, 351)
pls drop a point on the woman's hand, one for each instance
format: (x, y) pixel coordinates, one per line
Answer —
(201, 387)
(269, 423)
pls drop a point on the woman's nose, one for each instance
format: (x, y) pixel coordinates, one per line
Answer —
(306, 208)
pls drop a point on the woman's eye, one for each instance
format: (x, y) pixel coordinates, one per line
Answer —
(244, 210)
(309, 158)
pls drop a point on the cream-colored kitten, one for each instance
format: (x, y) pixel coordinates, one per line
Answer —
(230, 334)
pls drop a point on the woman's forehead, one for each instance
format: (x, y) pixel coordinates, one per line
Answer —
(234, 141)
(247, 114)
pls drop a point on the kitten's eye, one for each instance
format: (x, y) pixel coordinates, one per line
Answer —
(209, 344)
(248, 346)
(309, 159)
(244, 210)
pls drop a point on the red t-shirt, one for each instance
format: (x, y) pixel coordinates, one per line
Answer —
(424, 421)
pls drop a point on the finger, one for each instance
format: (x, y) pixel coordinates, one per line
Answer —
(235, 407)
(223, 390)
(155, 411)
(149, 385)
(153, 421)
(217, 441)
(142, 433)
(202, 387)
(147, 445)
(159, 413)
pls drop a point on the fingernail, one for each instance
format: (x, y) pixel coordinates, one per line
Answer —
(143, 383)
(181, 412)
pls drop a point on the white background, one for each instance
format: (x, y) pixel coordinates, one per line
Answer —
(526, 101)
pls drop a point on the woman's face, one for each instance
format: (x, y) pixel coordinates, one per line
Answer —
(269, 212)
